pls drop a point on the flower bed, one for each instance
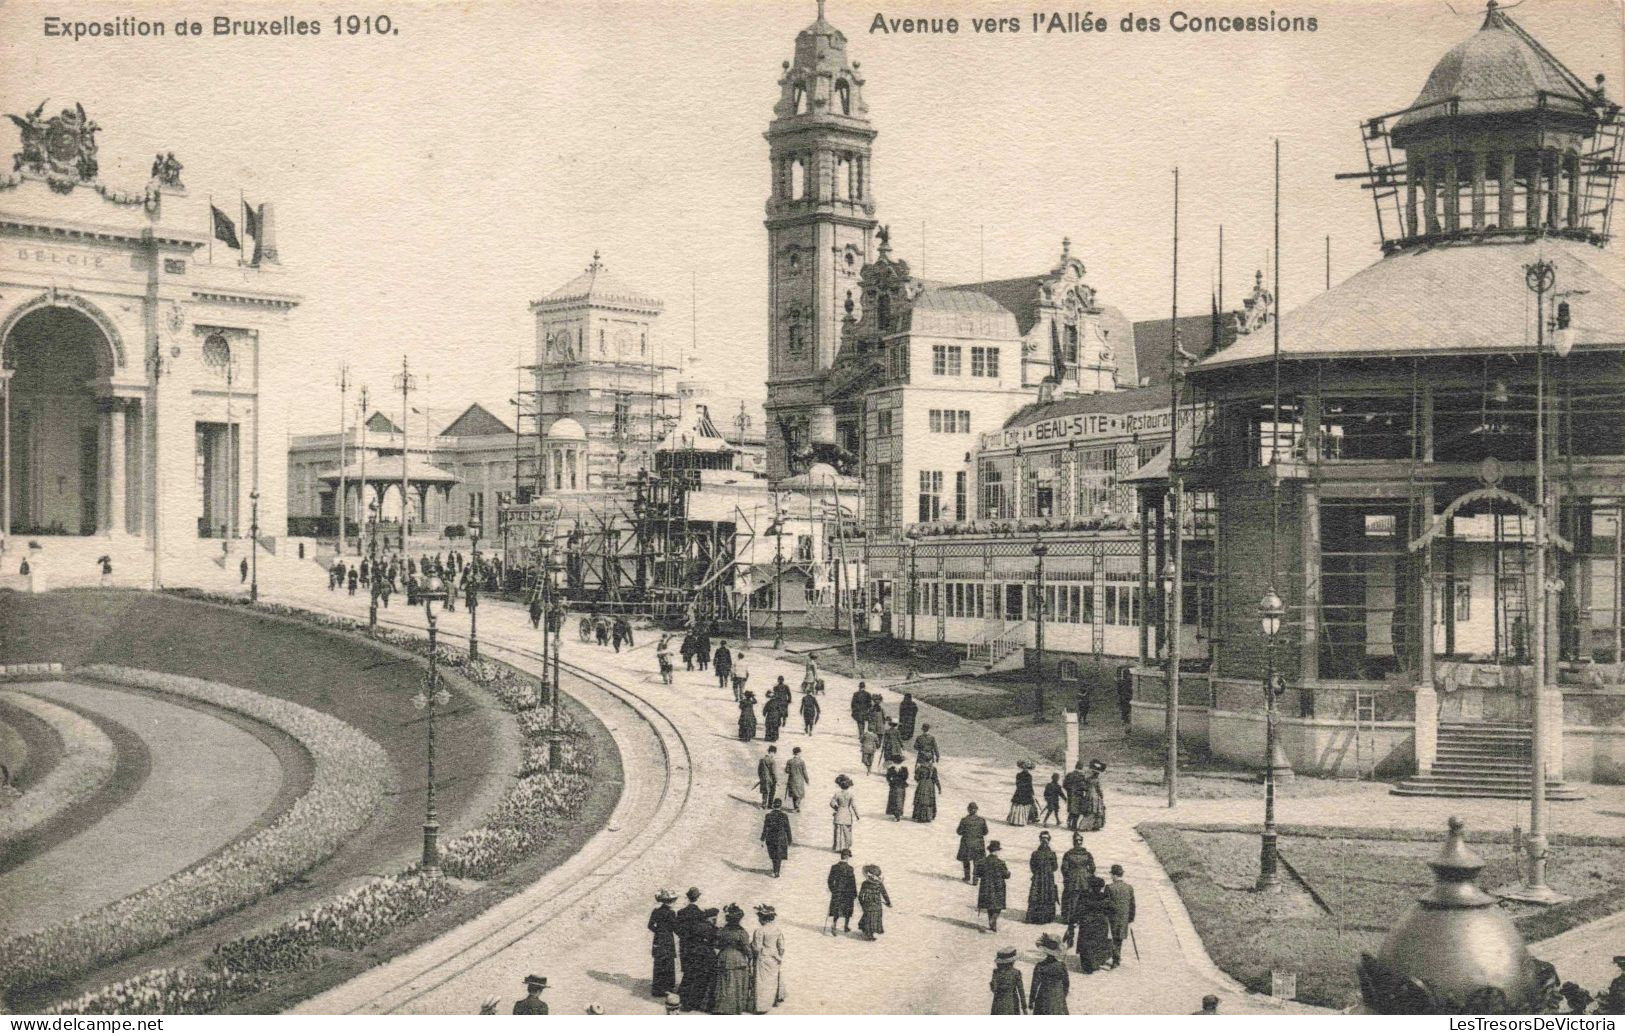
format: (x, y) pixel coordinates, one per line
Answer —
(88, 761)
(537, 805)
(350, 775)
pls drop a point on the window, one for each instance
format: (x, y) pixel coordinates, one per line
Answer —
(623, 415)
(883, 311)
(993, 496)
(1071, 351)
(843, 93)
(476, 507)
(1122, 604)
(885, 511)
(1067, 670)
(964, 599)
(959, 495)
(984, 362)
(945, 360)
(883, 423)
(950, 421)
(930, 495)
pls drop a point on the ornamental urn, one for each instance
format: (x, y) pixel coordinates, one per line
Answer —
(1455, 952)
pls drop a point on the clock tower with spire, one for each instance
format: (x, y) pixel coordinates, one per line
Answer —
(820, 220)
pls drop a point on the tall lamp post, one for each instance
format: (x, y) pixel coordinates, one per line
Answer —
(1171, 616)
(372, 556)
(1039, 552)
(1270, 611)
(471, 598)
(1541, 277)
(778, 572)
(431, 699)
(254, 547)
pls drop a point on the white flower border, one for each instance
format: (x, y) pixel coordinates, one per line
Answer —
(88, 761)
(352, 773)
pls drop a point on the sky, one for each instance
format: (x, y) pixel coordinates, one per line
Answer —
(431, 183)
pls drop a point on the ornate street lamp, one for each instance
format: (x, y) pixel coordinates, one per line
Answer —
(254, 546)
(430, 700)
(471, 597)
(778, 572)
(553, 566)
(1270, 611)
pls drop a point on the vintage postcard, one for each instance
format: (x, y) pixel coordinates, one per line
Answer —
(645, 508)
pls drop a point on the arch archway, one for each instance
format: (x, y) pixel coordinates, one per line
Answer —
(57, 433)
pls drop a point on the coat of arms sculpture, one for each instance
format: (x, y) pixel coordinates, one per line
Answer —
(61, 148)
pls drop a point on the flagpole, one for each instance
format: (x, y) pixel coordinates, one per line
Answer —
(242, 213)
(211, 229)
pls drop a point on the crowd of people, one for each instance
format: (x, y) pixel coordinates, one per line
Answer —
(394, 574)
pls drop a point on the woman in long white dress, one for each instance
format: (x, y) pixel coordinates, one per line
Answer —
(767, 947)
(845, 810)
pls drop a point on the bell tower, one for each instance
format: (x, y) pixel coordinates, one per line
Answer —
(820, 220)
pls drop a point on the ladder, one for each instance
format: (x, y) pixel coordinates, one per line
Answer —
(1365, 733)
(1511, 576)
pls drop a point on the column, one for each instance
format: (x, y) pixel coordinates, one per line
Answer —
(1430, 197)
(104, 433)
(1535, 200)
(1309, 655)
(1452, 195)
(1412, 175)
(1553, 168)
(136, 433)
(1572, 170)
(1508, 190)
(5, 457)
(116, 494)
(1480, 169)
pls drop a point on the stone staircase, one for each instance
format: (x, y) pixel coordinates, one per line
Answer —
(1483, 759)
(999, 646)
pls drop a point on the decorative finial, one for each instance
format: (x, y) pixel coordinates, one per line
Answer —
(821, 9)
(1066, 248)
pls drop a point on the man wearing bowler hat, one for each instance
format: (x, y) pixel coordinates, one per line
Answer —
(532, 1003)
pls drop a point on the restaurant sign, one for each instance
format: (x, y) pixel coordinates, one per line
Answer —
(1087, 426)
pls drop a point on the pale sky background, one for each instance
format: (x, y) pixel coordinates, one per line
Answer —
(430, 184)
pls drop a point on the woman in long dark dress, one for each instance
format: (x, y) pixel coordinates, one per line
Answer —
(992, 877)
(1041, 897)
(1050, 978)
(1023, 809)
(747, 717)
(733, 994)
(1009, 997)
(926, 787)
(1091, 923)
(896, 787)
(972, 832)
(872, 901)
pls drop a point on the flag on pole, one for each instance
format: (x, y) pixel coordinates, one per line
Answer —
(225, 230)
(253, 219)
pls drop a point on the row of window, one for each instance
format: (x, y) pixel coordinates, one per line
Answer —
(932, 505)
(947, 360)
(949, 421)
(1064, 602)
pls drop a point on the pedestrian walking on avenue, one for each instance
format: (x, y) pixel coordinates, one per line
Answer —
(615, 633)
(1091, 923)
(600, 630)
(663, 659)
(896, 786)
(860, 705)
(242, 570)
(925, 745)
(689, 918)
(1054, 796)
(811, 683)
(796, 779)
(845, 812)
(663, 924)
(876, 721)
(702, 649)
(872, 901)
(1077, 868)
(767, 948)
(972, 832)
(1009, 997)
(733, 994)
(1121, 895)
(738, 673)
(1023, 811)
(722, 666)
(843, 892)
(868, 745)
(687, 650)
(767, 776)
(992, 880)
(1085, 696)
(1041, 896)
(1125, 694)
(535, 612)
(1094, 800)
(809, 712)
(774, 712)
(747, 717)
(699, 957)
(776, 835)
(1077, 794)
(908, 712)
(1051, 981)
(532, 1003)
(891, 742)
(353, 580)
(926, 787)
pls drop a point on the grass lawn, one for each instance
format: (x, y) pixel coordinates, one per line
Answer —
(1344, 889)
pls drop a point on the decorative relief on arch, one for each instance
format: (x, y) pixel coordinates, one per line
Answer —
(55, 298)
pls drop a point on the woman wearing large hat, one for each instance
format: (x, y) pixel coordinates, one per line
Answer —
(1051, 981)
(992, 876)
(1023, 805)
(767, 947)
(896, 786)
(844, 812)
(747, 717)
(1041, 895)
(1009, 997)
(1094, 808)
(873, 900)
(663, 925)
(733, 994)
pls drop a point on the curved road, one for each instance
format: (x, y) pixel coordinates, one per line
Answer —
(209, 780)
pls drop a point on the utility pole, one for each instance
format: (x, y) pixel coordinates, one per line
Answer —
(1040, 550)
(344, 433)
(366, 503)
(1176, 491)
(778, 572)
(406, 382)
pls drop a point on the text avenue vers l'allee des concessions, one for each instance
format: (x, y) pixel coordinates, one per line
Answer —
(1067, 23)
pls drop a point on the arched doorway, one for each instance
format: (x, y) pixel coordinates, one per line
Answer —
(58, 357)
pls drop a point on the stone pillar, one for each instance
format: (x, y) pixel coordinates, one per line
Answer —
(1430, 197)
(1572, 162)
(137, 435)
(1480, 169)
(1412, 175)
(1534, 207)
(1508, 190)
(116, 493)
(1425, 717)
(104, 433)
(1552, 166)
(1452, 195)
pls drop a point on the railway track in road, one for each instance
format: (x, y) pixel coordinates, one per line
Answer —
(657, 781)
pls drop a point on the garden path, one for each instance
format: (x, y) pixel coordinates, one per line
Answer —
(209, 780)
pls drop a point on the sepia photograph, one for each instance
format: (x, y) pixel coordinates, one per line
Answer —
(657, 507)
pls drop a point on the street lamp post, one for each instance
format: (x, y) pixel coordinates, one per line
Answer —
(372, 557)
(471, 598)
(1270, 611)
(1171, 617)
(254, 547)
(778, 572)
(1039, 552)
(430, 700)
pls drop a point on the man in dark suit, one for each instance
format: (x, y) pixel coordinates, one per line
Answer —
(532, 1003)
(767, 776)
(925, 745)
(776, 835)
(663, 924)
(843, 891)
(1121, 895)
(860, 705)
(1076, 785)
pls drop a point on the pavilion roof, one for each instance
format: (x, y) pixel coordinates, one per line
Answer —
(387, 470)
